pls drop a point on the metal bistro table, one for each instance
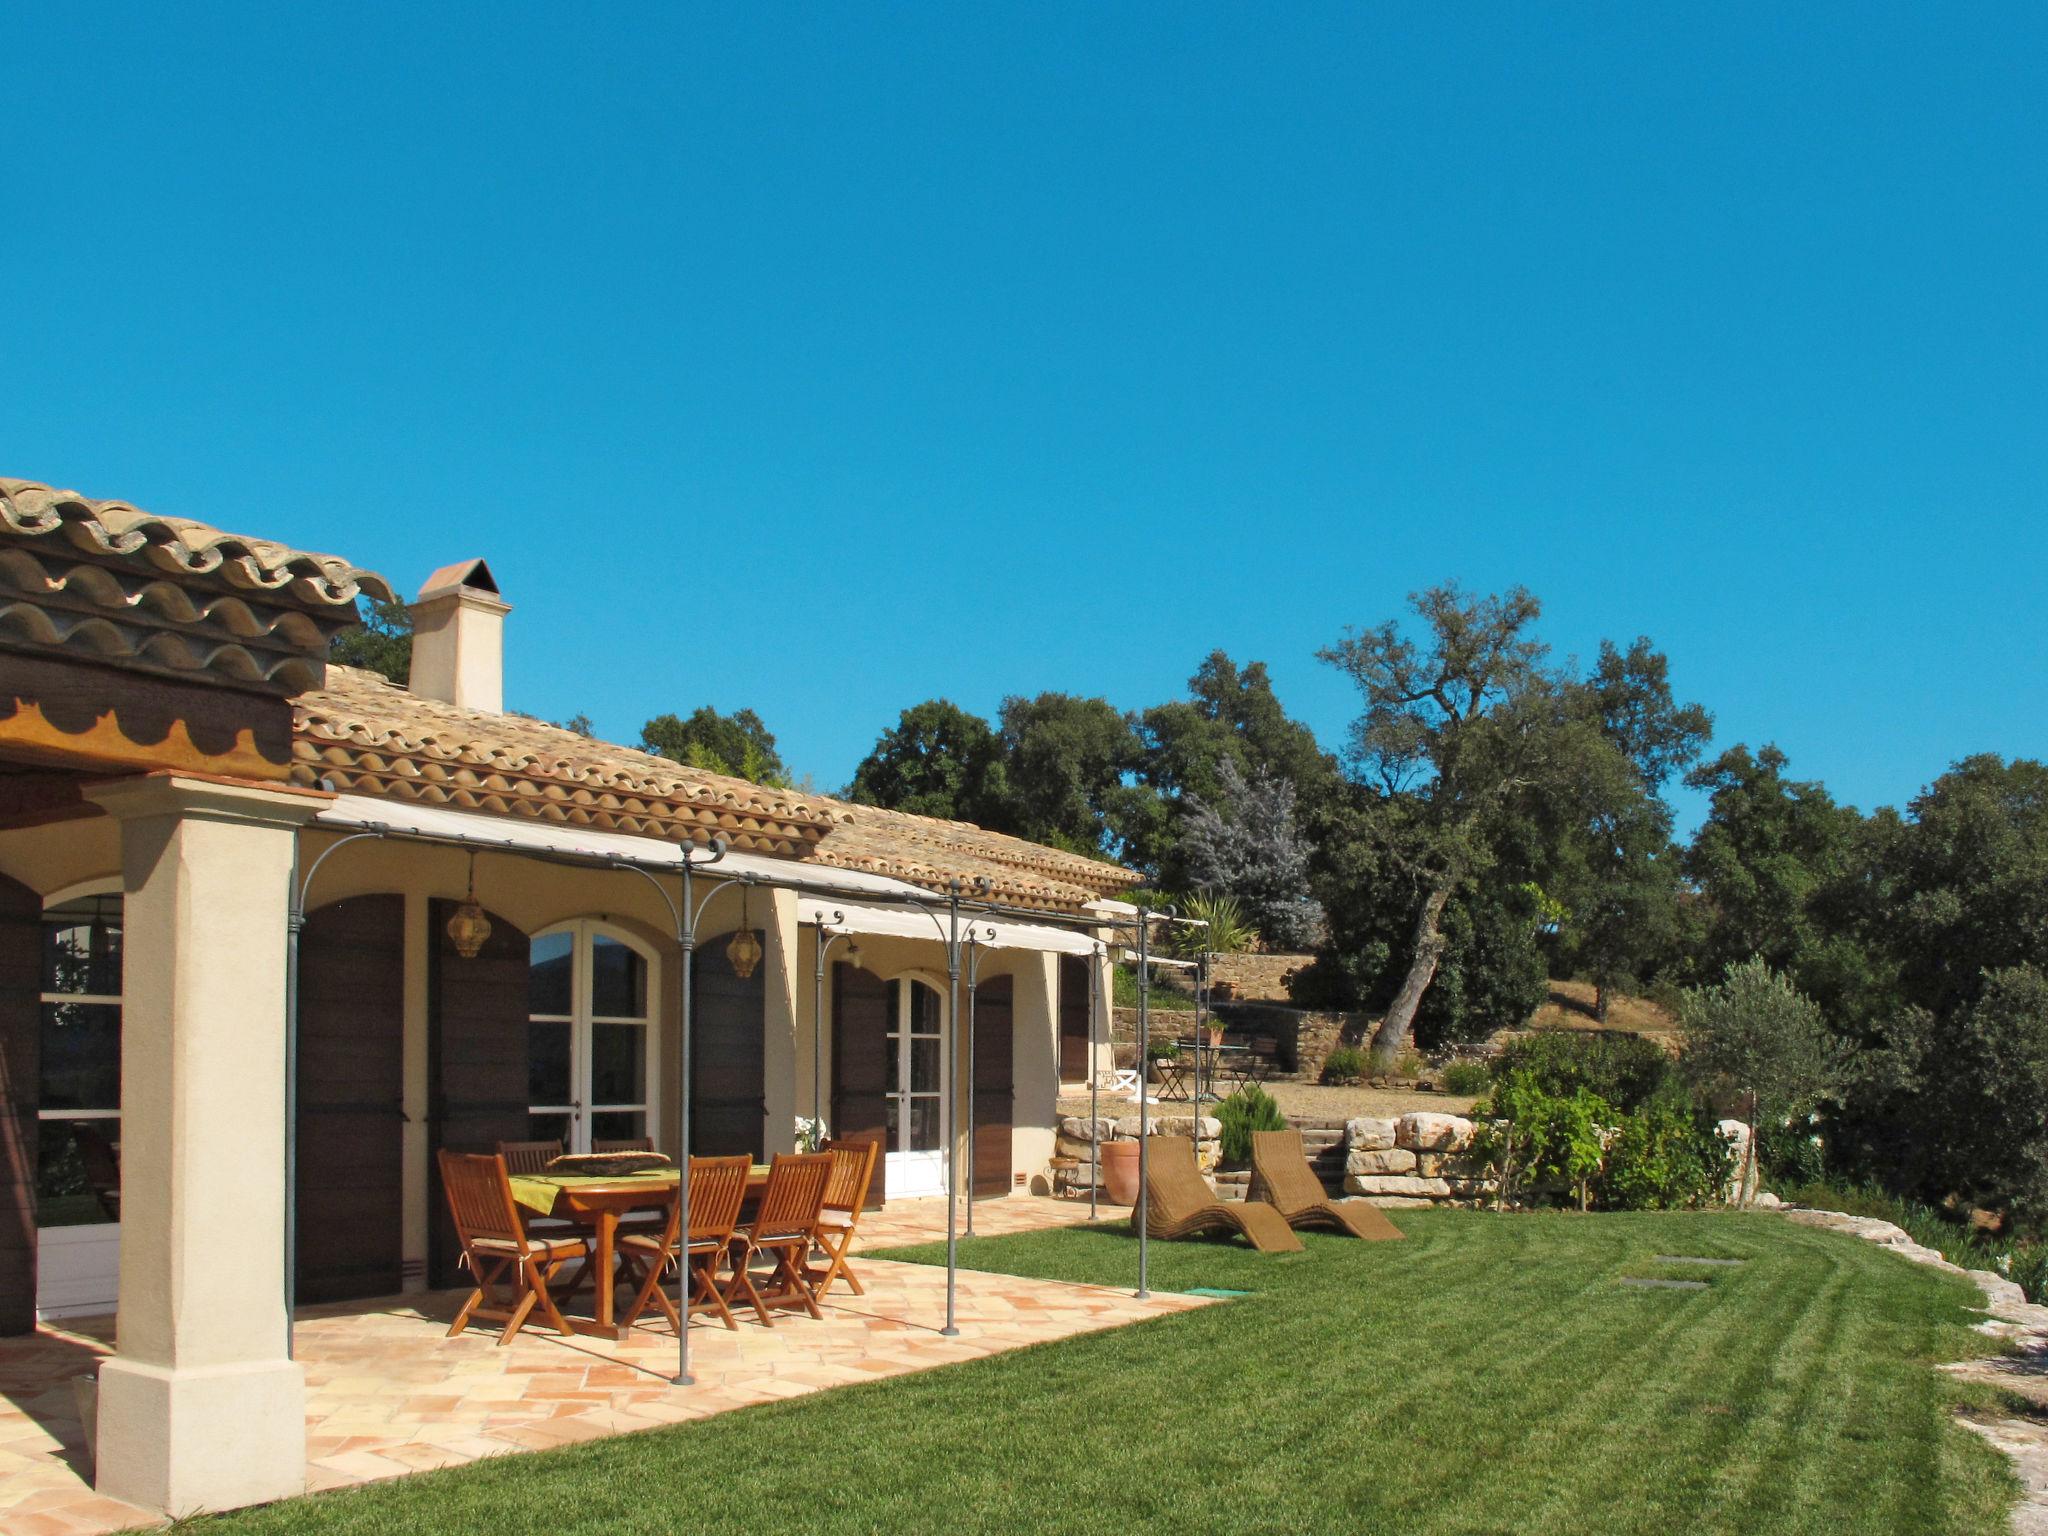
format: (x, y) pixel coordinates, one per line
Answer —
(1212, 1065)
(598, 1203)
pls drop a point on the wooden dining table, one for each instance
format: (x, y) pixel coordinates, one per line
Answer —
(598, 1203)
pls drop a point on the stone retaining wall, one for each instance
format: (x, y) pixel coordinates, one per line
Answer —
(1254, 978)
(1417, 1159)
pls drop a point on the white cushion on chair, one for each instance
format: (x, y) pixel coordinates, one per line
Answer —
(548, 1247)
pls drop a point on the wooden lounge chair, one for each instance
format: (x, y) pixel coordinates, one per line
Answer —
(514, 1269)
(783, 1230)
(1180, 1203)
(1282, 1178)
(853, 1166)
(718, 1187)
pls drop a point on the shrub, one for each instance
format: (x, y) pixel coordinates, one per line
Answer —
(1529, 1136)
(1625, 1070)
(1790, 1154)
(1249, 1109)
(1664, 1156)
(2027, 1267)
(1229, 931)
(1467, 1077)
(1346, 1064)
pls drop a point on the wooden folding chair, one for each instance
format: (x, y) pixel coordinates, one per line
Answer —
(718, 1187)
(625, 1144)
(514, 1269)
(853, 1166)
(783, 1230)
(524, 1157)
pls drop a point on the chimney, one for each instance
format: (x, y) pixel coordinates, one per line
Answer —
(458, 638)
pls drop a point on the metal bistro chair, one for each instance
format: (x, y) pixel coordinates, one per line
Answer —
(718, 1187)
(783, 1231)
(853, 1168)
(514, 1270)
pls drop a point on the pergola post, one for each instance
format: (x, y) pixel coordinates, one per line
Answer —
(201, 1408)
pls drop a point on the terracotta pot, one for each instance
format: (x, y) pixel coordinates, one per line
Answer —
(1120, 1171)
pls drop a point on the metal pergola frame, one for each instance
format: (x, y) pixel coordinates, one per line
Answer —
(945, 913)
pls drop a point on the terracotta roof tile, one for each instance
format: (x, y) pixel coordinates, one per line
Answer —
(365, 735)
(180, 546)
(107, 582)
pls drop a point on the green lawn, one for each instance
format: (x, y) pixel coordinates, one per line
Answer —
(1490, 1374)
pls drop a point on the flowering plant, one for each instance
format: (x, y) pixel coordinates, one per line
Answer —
(810, 1133)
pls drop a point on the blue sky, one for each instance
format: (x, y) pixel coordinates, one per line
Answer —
(825, 360)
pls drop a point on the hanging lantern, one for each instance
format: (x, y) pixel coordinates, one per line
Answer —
(853, 956)
(468, 928)
(745, 950)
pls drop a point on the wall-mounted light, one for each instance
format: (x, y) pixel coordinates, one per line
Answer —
(745, 950)
(469, 928)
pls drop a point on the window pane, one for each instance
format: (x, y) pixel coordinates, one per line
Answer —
(924, 1009)
(547, 1063)
(895, 1119)
(548, 1128)
(77, 1178)
(618, 1125)
(81, 1056)
(82, 947)
(618, 980)
(618, 1064)
(547, 982)
(924, 1125)
(924, 1065)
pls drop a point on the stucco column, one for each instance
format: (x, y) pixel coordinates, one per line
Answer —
(199, 1408)
(782, 943)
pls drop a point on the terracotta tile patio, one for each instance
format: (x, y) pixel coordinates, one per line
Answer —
(388, 1395)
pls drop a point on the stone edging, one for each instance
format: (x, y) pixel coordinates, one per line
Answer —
(2011, 1317)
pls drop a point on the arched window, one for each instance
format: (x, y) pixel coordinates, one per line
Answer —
(592, 1047)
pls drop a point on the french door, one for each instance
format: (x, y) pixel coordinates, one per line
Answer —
(916, 1059)
(591, 1044)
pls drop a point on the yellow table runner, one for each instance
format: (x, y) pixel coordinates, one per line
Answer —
(536, 1191)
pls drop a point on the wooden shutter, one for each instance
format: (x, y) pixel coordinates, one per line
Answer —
(351, 1099)
(1075, 1018)
(862, 1072)
(728, 1020)
(476, 1060)
(21, 1092)
(994, 1083)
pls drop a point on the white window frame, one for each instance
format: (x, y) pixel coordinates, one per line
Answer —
(58, 899)
(78, 1267)
(581, 1019)
(917, 1172)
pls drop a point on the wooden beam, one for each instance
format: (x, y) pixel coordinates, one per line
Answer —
(58, 713)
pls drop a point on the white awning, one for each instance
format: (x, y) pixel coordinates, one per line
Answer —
(892, 907)
(507, 834)
(902, 923)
